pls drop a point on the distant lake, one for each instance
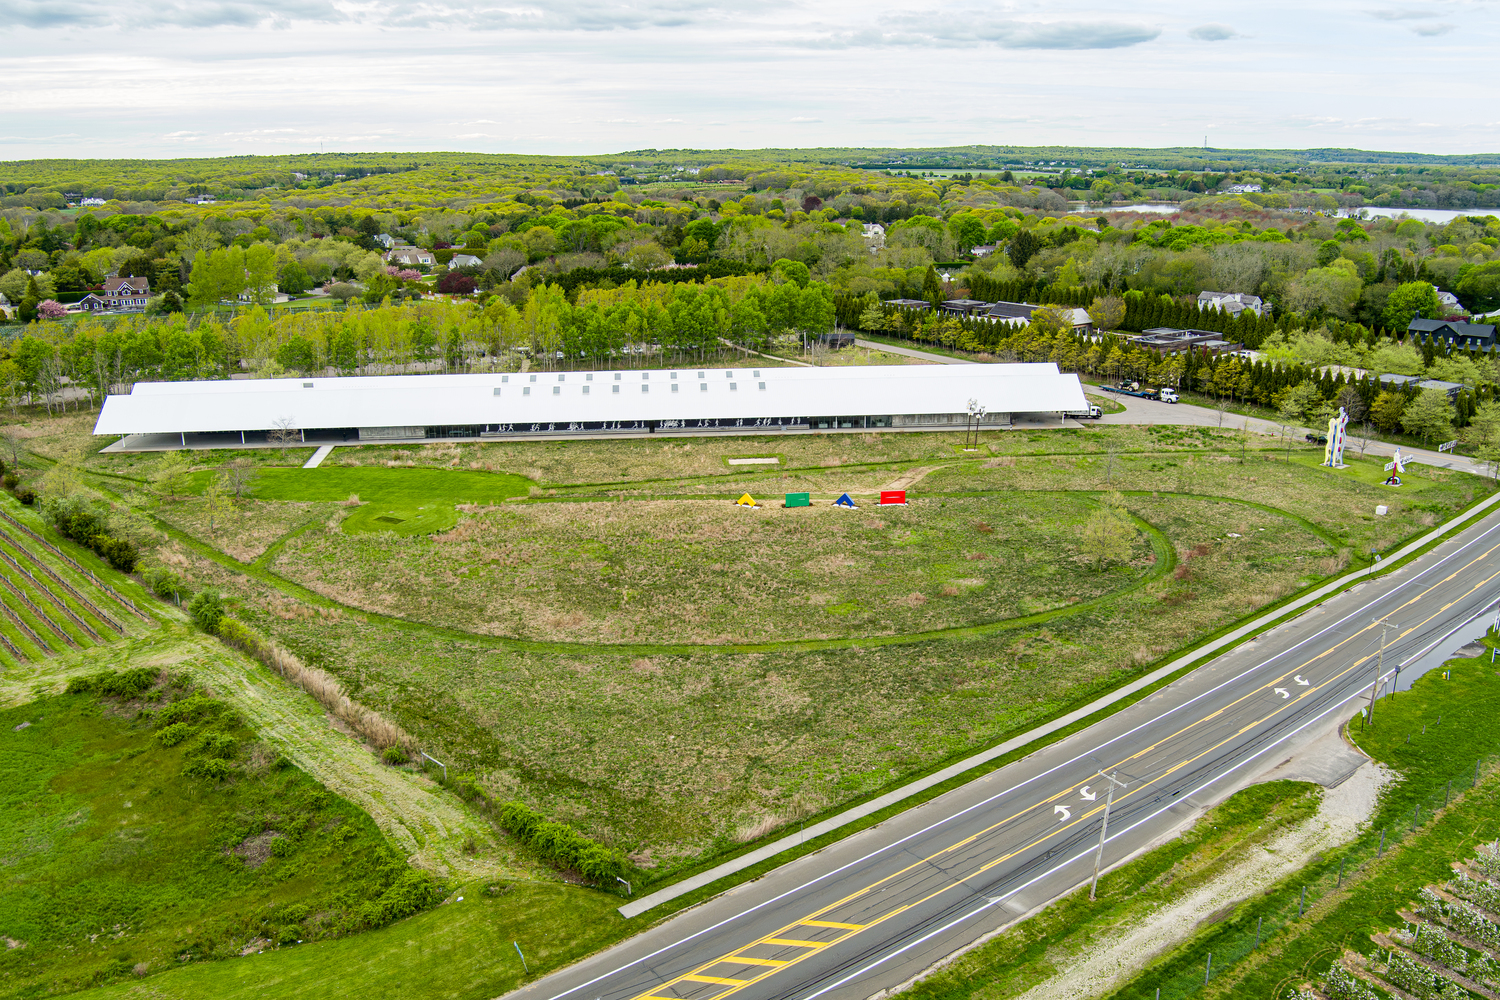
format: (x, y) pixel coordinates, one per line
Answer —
(1082, 208)
(1427, 214)
(1375, 211)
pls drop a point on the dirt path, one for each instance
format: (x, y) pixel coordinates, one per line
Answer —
(1114, 961)
(429, 825)
(911, 477)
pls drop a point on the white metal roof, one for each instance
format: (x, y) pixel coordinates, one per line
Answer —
(554, 397)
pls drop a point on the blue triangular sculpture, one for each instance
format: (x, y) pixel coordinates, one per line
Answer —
(844, 501)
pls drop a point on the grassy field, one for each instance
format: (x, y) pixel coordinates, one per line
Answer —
(670, 754)
(593, 628)
(701, 571)
(676, 676)
(126, 853)
(1449, 721)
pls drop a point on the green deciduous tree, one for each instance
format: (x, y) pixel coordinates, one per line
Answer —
(1333, 289)
(1386, 410)
(1107, 313)
(1483, 435)
(260, 273)
(1108, 534)
(1429, 416)
(171, 477)
(1409, 301)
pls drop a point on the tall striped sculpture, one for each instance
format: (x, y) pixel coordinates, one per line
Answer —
(1333, 451)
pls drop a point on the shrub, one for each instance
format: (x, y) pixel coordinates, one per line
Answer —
(194, 708)
(412, 891)
(130, 684)
(118, 552)
(561, 844)
(521, 820)
(162, 581)
(454, 283)
(26, 496)
(212, 768)
(219, 746)
(12, 480)
(207, 610)
(79, 519)
(174, 734)
(395, 755)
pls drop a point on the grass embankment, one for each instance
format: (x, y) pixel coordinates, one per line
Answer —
(457, 951)
(1298, 951)
(145, 826)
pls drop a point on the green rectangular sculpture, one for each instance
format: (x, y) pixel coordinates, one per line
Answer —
(799, 499)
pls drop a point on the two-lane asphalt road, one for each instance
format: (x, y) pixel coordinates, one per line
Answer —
(869, 912)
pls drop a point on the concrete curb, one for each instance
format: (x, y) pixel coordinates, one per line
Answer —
(687, 885)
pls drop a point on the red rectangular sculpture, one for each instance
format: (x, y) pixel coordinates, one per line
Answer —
(892, 497)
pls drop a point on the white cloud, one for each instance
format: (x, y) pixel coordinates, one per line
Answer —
(1213, 33)
(963, 28)
(1429, 30)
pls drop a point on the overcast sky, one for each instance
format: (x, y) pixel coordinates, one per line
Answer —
(207, 77)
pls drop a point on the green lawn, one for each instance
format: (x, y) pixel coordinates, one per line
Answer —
(128, 851)
(390, 485)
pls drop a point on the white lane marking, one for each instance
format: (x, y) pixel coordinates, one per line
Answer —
(1087, 795)
(1064, 811)
(1298, 678)
(1333, 626)
(992, 900)
(1285, 694)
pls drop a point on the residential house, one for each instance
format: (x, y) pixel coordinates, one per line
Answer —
(909, 303)
(411, 256)
(984, 250)
(463, 260)
(1019, 314)
(1477, 336)
(1450, 306)
(874, 234)
(118, 293)
(1232, 303)
(386, 240)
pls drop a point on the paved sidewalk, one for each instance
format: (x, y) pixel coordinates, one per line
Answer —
(1151, 411)
(317, 457)
(907, 352)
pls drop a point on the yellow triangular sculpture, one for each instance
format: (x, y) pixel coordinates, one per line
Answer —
(746, 501)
